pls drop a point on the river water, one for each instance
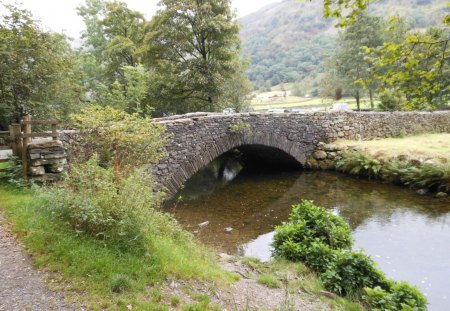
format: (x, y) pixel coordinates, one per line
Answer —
(406, 234)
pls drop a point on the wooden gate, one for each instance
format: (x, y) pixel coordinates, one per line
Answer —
(20, 136)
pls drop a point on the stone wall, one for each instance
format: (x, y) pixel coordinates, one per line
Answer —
(196, 139)
(47, 161)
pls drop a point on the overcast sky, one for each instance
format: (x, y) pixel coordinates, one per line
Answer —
(60, 15)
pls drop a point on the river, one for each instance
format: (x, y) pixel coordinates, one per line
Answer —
(406, 234)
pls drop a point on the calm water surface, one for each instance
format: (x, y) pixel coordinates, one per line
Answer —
(407, 234)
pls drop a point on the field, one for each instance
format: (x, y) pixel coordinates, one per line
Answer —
(269, 100)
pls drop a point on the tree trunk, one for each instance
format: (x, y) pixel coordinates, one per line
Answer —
(358, 107)
(210, 101)
(372, 106)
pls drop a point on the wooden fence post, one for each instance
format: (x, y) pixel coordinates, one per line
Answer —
(26, 141)
(16, 139)
(54, 131)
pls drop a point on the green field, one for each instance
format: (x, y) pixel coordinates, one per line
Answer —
(290, 102)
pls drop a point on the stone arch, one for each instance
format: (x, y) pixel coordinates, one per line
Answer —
(211, 150)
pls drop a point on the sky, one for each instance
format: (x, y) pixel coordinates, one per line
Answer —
(60, 15)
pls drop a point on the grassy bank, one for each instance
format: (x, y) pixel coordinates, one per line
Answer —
(98, 275)
(424, 146)
(421, 162)
(95, 273)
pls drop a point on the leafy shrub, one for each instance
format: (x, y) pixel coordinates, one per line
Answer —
(94, 203)
(351, 272)
(322, 240)
(359, 164)
(309, 224)
(122, 141)
(401, 296)
(319, 256)
(390, 100)
(12, 173)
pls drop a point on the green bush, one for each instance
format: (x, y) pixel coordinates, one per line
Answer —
(12, 173)
(307, 224)
(401, 296)
(322, 241)
(351, 272)
(121, 141)
(359, 164)
(93, 202)
(319, 256)
(390, 100)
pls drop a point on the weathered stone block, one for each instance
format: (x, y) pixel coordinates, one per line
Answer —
(56, 155)
(34, 156)
(45, 145)
(36, 170)
(54, 168)
(39, 162)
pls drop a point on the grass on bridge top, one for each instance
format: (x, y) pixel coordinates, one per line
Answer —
(426, 146)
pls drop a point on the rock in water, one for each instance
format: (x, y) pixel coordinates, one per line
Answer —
(203, 224)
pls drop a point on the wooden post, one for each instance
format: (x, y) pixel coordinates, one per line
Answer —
(54, 131)
(16, 139)
(26, 141)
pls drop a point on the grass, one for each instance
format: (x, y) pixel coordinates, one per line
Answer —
(97, 274)
(269, 280)
(427, 146)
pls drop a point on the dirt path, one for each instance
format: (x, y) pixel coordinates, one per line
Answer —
(21, 286)
(248, 294)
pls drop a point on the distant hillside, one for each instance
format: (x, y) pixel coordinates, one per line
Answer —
(287, 41)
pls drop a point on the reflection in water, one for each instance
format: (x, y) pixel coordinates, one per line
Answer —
(408, 235)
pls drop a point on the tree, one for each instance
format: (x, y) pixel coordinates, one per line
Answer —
(111, 40)
(39, 72)
(193, 47)
(346, 11)
(418, 67)
(130, 96)
(351, 63)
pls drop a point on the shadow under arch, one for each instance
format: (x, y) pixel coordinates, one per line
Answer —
(259, 149)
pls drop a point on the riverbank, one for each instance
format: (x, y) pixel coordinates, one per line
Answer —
(92, 275)
(421, 162)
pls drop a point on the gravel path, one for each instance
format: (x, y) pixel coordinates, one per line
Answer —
(21, 286)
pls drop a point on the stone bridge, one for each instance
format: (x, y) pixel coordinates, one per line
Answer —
(197, 139)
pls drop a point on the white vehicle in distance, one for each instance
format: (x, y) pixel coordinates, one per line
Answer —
(340, 107)
(298, 110)
(277, 110)
(229, 110)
